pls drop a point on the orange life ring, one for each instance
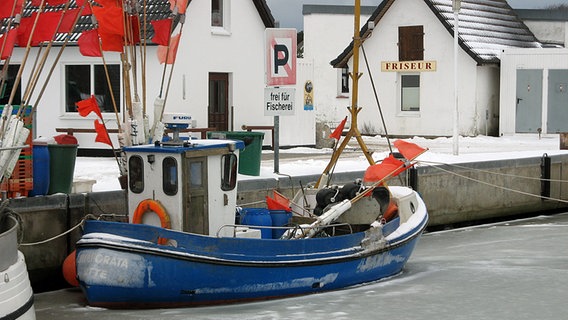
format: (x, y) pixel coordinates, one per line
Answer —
(391, 212)
(149, 205)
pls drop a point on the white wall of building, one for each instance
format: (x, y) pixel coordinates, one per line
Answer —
(518, 59)
(435, 117)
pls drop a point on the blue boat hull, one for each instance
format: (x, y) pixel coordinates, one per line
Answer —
(121, 265)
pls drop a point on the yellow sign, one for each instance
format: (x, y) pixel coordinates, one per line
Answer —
(408, 66)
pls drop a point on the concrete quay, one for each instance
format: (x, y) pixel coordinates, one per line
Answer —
(454, 193)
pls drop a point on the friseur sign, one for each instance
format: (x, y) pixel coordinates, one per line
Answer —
(408, 66)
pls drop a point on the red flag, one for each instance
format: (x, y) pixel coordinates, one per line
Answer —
(135, 30)
(336, 134)
(86, 9)
(84, 107)
(6, 7)
(112, 42)
(180, 4)
(8, 46)
(409, 150)
(44, 30)
(389, 167)
(68, 20)
(89, 44)
(102, 133)
(110, 19)
(162, 31)
(54, 3)
(171, 54)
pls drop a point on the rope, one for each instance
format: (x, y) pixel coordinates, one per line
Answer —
(500, 187)
(492, 172)
(54, 237)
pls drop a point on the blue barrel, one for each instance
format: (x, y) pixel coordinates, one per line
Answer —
(258, 217)
(40, 160)
(280, 218)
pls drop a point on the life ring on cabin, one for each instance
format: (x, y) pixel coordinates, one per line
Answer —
(391, 211)
(149, 205)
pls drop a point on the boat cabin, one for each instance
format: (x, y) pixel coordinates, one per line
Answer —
(189, 185)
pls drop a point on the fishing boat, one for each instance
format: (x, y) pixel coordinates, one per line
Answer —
(16, 295)
(188, 243)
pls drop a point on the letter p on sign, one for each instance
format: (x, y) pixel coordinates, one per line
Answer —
(280, 57)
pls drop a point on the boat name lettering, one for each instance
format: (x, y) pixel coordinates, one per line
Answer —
(110, 260)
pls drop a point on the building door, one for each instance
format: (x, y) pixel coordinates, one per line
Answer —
(196, 218)
(529, 101)
(218, 101)
(557, 101)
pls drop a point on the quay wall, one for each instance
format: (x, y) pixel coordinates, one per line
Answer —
(454, 194)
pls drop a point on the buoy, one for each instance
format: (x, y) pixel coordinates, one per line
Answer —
(70, 270)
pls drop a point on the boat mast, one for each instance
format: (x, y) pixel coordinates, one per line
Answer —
(354, 109)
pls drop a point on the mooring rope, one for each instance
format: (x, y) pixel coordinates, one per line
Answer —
(491, 172)
(498, 186)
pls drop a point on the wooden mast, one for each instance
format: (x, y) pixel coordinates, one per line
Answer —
(354, 109)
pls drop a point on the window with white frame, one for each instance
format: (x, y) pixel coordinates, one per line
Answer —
(9, 76)
(217, 13)
(410, 92)
(344, 80)
(84, 80)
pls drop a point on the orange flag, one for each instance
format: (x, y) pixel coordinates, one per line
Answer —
(180, 4)
(389, 167)
(89, 43)
(102, 133)
(336, 134)
(85, 107)
(162, 31)
(8, 46)
(110, 20)
(171, 54)
(409, 150)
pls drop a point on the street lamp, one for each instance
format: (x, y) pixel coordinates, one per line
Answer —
(456, 5)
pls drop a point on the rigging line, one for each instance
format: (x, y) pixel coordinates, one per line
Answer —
(493, 172)
(376, 97)
(501, 187)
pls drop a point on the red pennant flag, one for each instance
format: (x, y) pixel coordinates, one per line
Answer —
(110, 19)
(169, 56)
(68, 20)
(109, 3)
(162, 31)
(7, 8)
(54, 3)
(112, 42)
(409, 150)
(89, 44)
(336, 134)
(180, 4)
(102, 133)
(135, 30)
(86, 8)
(8, 46)
(85, 107)
(389, 167)
(44, 30)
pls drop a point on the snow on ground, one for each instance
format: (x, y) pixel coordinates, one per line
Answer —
(304, 161)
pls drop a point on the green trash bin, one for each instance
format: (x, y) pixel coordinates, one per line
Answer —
(249, 158)
(61, 167)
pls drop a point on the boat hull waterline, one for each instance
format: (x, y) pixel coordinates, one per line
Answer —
(122, 265)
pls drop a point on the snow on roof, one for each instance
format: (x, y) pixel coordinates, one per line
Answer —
(486, 27)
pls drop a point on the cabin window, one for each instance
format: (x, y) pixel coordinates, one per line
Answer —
(344, 81)
(170, 176)
(411, 43)
(84, 80)
(196, 174)
(217, 13)
(136, 174)
(228, 172)
(410, 92)
(8, 84)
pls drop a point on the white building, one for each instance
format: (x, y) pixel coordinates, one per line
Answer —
(218, 78)
(414, 78)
